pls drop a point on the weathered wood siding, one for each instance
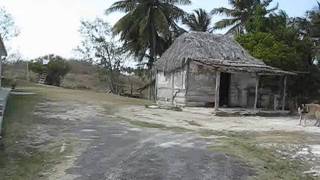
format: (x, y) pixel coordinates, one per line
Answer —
(196, 87)
(200, 86)
(171, 88)
(242, 90)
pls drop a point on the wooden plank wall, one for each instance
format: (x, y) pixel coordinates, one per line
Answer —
(201, 86)
(171, 88)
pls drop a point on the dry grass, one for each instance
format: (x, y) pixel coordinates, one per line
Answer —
(83, 81)
(84, 96)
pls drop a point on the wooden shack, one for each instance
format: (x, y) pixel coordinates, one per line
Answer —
(204, 69)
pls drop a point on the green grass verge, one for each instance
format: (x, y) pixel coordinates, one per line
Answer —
(17, 161)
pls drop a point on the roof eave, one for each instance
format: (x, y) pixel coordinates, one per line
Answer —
(260, 70)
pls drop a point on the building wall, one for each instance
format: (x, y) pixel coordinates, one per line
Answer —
(242, 90)
(171, 88)
(201, 83)
(196, 87)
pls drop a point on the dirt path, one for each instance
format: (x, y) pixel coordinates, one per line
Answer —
(109, 148)
(203, 118)
(67, 134)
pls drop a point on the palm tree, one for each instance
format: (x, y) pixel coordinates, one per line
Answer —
(199, 20)
(314, 17)
(148, 26)
(241, 12)
(309, 25)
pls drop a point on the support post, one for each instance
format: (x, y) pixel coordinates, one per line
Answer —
(172, 88)
(150, 86)
(156, 86)
(187, 77)
(256, 93)
(217, 93)
(284, 93)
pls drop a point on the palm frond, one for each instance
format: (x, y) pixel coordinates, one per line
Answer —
(149, 25)
(272, 9)
(123, 6)
(234, 29)
(266, 3)
(226, 22)
(200, 20)
(161, 22)
(223, 10)
(178, 2)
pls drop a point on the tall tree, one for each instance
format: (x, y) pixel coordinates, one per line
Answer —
(286, 43)
(199, 20)
(242, 11)
(148, 25)
(8, 28)
(99, 47)
(309, 27)
(314, 18)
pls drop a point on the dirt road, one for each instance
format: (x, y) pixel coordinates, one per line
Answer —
(110, 148)
(66, 134)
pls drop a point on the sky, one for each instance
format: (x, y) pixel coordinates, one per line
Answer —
(51, 26)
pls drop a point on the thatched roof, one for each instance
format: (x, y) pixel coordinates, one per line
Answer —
(3, 51)
(218, 51)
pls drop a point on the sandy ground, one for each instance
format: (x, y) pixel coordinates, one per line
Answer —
(305, 147)
(203, 118)
(107, 147)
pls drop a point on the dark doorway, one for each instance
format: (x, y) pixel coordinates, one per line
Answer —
(224, 89)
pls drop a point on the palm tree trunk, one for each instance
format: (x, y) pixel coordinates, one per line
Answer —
(153, 54)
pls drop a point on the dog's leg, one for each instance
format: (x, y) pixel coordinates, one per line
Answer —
(317, 122)
(300, 119)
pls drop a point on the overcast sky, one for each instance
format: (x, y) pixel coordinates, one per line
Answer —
(51, 26)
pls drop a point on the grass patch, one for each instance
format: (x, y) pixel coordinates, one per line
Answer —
(18, 161)
(266, 161)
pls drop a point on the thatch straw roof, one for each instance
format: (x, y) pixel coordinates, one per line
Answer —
(218, 51)
(3, 51)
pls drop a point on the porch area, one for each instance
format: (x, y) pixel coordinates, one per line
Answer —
(225, 75)
(229, 112)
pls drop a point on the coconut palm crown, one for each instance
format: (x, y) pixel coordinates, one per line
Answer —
(241, 12)
(199, 20)
(148, 26)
